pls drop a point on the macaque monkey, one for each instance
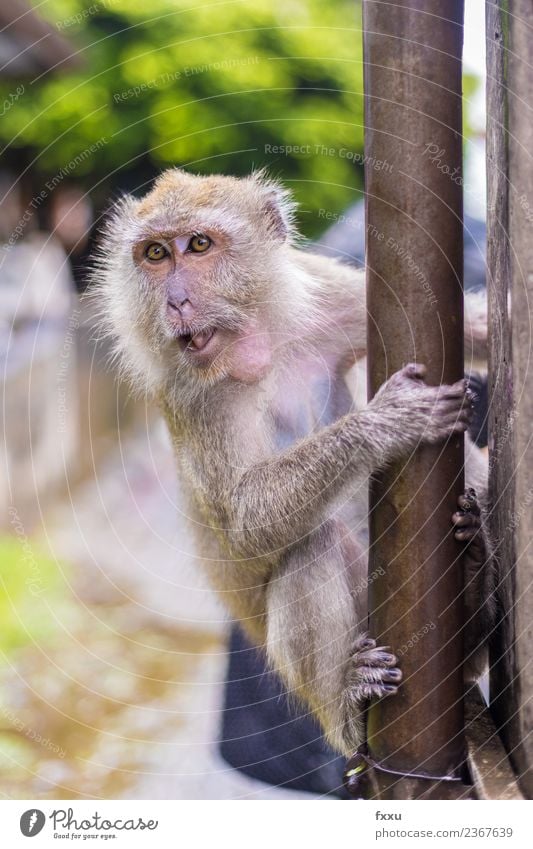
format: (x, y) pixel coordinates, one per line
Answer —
(244, 341)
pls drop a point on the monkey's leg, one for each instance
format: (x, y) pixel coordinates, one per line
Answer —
(316, 640)
(480, 575)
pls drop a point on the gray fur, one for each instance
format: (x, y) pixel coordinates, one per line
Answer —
(272, 461)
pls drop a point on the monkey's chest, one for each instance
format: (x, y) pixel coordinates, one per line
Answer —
(309, 399)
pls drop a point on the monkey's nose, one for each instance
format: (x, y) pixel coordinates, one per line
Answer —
(182, 306)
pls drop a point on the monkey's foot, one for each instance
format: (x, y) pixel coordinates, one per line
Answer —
(373, 672)
(469, 529)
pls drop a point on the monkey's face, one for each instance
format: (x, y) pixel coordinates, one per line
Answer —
(205, 252)
(180, 270)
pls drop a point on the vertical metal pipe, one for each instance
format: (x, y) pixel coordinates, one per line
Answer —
(413, 101)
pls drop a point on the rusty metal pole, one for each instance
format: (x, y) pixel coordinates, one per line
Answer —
(413, 97)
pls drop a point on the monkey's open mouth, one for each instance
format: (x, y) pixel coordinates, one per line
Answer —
(196, 341)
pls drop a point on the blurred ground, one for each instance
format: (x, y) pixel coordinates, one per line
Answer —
(123, 701)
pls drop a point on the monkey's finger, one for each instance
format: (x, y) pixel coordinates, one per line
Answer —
(466, 520)
(454, 390)
(382, 656)
(375, 658)
(448, 416)
(466, 534)
(379, 690)
(449, 409)
(451, 424)
(415, 371)
(469, 502)
(453, 403)
(393, 676)
(460, 427)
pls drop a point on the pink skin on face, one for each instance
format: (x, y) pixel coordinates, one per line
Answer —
(249, 356)
(245, 357)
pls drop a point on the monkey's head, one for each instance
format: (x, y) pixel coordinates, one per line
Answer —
(193, 278)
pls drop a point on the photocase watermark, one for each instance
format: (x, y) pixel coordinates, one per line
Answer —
(289, 149)
(51, 184)
(34, 580)
(341, 218)
(316, 622)
(188, 71)
(12, 98)
(24, 220)
(84, 14)
(30, 733)
(354, 156)
(495, 448)
(64, 824)
(403, 254)
(32, 822)
(221, 65)
(324, 150)
(390, 242)
(136, 90)
(79, 17)
(74, 163)
(414, 639)
(526, 206)
(516, 515)
(437, 156)
(61, 381)
(66, 820)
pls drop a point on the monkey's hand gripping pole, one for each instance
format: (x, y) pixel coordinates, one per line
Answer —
(413, 105)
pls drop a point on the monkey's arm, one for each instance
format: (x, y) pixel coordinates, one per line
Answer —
(281, 499)
(345, 325)
(355, 327)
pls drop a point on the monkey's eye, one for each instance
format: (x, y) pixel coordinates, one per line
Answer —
(199, 244)
(155, 252)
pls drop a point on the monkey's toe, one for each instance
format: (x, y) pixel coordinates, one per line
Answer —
(468, 502)
(415, 371)
(373, 672)
(466, 526)
(468, 529)
(467, 520)
(392, 676)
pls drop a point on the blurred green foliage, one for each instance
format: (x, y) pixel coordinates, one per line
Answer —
(222, 81)
(32, 595)
(214, 86)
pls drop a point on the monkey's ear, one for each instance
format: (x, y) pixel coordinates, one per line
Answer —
(278, 205)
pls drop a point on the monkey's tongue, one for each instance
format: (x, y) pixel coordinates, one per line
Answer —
(200, 340)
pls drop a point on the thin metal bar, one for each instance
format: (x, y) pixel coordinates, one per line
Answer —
(413, 103)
